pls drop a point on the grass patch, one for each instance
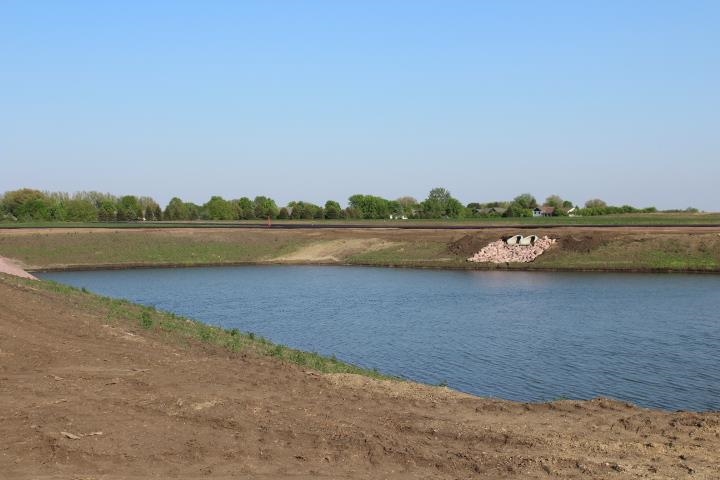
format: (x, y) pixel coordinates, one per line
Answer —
(107, 247)
(660, 218)
(649, 252)
(146, 320)
(402, 248)
(413, 253)
(180, 329)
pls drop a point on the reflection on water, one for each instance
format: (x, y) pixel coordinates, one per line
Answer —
(648, 339)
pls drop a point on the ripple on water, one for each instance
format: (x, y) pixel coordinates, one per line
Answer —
(648, 339)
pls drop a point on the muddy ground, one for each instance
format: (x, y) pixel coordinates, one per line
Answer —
(85, 397)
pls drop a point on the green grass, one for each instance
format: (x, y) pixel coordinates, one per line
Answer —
(618, 219)
(648, 219)
(184, 330)
(613, 250)
(418, 253)
(146, 319)
(671, 252)
(123, 248)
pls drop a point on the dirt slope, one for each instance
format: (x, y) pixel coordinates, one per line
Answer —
(333, 251)
(657, 249)
(81, 398)
(11, 268)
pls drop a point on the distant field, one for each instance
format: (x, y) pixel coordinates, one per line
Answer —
(637, 248)
(601, 220)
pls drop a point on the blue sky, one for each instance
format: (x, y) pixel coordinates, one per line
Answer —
(318, 100)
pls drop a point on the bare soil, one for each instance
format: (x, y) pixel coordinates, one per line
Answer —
(11, 268)
(84, 396)
(333, 251)
(573, 239)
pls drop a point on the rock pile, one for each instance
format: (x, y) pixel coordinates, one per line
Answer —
(501, 252)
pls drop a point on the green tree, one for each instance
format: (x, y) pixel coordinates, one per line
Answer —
(129, 208)
(332, 213)
(305, 210)
(107, 210)
(332, 209)
(408, 204)
(265, 207)
(149, 208)
(81, 210)
(296, 209)
(56, 210)
(217, 208)
(525, 200)
(105, 204)
(176, 210)
(595, 203)
(27, 204)
(521, 206)
(308, 212)
(440, 203)
(4, 212)
(369, 206)
(246, 209)
(194, 211)
(517, 210)
(351, 212)
(454, 208)
(554, 201)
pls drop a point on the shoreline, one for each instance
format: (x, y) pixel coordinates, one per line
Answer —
(470, 268)
(59, 284)
(577, 249)
(268, 346)
(186, 404)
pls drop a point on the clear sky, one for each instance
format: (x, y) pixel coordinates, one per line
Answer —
(317, 100)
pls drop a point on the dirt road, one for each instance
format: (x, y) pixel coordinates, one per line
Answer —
(82, 396)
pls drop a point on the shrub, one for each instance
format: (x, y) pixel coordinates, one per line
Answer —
(146, 320)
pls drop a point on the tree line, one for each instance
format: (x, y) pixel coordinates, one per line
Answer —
(34, 205)
(525, 205)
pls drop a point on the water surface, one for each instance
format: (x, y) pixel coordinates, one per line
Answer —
(528, 336)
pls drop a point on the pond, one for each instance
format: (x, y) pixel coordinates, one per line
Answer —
(651, 339)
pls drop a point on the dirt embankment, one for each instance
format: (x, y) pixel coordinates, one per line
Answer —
(628, 249)
(665, 249)
(567, 241)
(85, 396)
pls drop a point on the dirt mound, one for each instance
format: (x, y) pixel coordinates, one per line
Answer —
(583, 242)
(84, 394)
(467, 245)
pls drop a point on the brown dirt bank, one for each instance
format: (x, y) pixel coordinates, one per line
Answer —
(9, 267)
(85, 396)
(649, 249)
